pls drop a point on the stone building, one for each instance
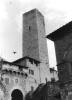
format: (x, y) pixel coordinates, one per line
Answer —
(54, 74)
(18, 78)
(21, 76)
(25, 74)
(34, 41)
(48, 91)
(63, 45)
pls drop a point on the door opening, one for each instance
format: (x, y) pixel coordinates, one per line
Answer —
(17, 95)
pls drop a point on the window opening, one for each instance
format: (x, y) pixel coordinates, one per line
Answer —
(29, 28)
(31, 72)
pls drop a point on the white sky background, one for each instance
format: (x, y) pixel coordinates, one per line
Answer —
(56, 13)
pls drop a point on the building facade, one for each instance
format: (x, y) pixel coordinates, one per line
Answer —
(63, 46)
(25, 74)
(54, 74)
(20, 79)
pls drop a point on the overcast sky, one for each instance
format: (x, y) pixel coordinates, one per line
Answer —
(56, 13)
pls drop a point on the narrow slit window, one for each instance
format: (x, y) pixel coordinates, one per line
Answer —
(29, 28)
(31, 72)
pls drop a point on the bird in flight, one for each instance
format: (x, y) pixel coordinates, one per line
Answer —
(14, 52)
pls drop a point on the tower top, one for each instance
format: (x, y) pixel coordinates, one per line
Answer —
(33, 11)
(61, 32)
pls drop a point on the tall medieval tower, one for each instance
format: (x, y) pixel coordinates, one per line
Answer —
(34, 41)
(25, 74)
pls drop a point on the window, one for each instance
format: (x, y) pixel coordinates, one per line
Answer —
(32, 88)
(7, 80)
(58, 96)
(31, 60)
(43, 23)
(46, 79)
(29, 28)
(31, 72)
(52, 79)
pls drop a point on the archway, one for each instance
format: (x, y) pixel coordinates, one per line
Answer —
(17, 95)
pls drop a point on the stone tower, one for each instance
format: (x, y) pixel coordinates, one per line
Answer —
(25, 74)
(34, 41)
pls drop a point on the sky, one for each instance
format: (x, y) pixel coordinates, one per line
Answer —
(56, 14)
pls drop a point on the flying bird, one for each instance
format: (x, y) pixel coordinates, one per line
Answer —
(14, 52)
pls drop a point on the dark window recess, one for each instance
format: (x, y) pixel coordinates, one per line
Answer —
(26, 75)
(7, 80)
(29, 28)
(58, 96)
(31, 61)
(36, 63)
(52, 79)
(31, 72)
(43, 23)
(46, 80)
(32, 88)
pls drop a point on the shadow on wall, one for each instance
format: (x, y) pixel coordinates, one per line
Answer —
(41, 93)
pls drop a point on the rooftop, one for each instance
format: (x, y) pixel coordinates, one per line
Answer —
(52, 70)
(10, 63)
(61, 32)
(26, 57)
(34, 11)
